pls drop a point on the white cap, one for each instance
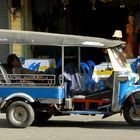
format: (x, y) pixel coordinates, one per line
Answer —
(117, 34)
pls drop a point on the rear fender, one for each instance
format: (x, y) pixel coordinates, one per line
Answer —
(17, 95)
(20, 95)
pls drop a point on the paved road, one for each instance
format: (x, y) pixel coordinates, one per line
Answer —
(72, 128)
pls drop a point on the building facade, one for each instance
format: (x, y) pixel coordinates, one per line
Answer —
(90, 18)
(4, 24)
(16, 15)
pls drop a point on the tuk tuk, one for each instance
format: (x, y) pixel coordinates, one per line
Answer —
(29, 97)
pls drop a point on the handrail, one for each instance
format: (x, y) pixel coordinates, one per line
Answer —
(28, 79)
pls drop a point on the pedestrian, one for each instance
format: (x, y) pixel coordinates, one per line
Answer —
(132, 31)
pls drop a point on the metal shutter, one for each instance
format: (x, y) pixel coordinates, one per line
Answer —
(4, 49)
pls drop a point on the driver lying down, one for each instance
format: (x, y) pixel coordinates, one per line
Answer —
(14, 62)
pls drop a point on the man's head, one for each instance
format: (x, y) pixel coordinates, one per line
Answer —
(13, 60)
(131, 19)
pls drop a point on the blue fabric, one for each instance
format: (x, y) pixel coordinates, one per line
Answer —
(135, 68)
(134, 65)
(101, 83)
(72, 78)
(88, 81)
(34, 66)
(22, 60)
(59, 63)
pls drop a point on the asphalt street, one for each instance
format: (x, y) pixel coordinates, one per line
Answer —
(72, 128)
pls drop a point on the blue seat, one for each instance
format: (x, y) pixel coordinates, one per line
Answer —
(88, 81)
(91, 65)
(101, 83)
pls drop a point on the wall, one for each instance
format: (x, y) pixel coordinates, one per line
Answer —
(4, 49)
(27, 26)
(16, 23)
(22, 21)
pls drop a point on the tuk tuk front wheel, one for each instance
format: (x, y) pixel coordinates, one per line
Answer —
(130, 115)
(20, 114)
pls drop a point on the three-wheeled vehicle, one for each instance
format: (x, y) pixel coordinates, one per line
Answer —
(25, 98)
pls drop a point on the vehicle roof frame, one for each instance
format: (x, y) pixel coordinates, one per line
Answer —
(58, 40)
(51, 39)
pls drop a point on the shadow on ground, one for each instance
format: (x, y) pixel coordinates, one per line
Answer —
(4, 124)
(87, 124)
(81, 124)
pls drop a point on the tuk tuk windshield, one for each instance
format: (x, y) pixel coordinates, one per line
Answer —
(118, 61)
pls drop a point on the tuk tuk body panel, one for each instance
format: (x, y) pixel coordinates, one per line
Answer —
(124, 91)
(127, 89)
(34, 92)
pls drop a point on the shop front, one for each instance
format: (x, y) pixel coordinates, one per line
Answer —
(81, 17)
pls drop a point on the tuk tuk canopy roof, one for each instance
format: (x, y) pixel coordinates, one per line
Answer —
(51, 39)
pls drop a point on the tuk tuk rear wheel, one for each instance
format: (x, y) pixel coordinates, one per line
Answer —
(130, 116)
(20, 114)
